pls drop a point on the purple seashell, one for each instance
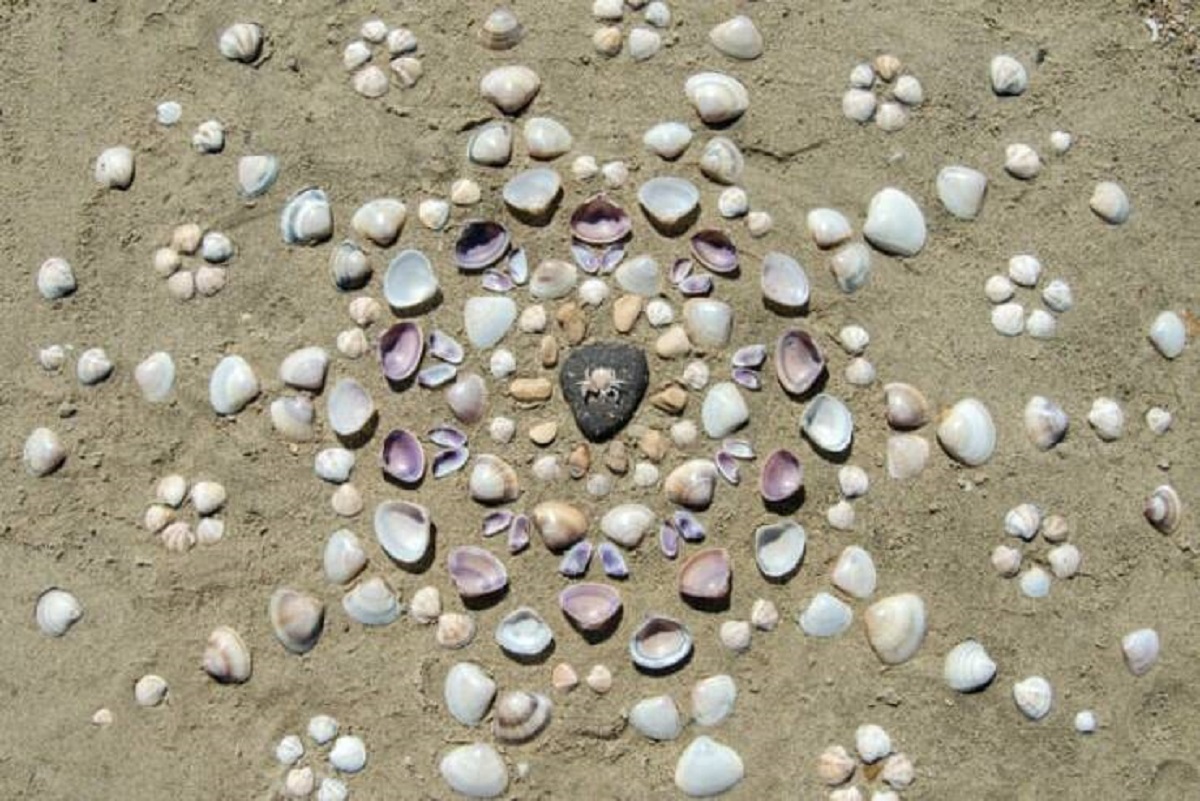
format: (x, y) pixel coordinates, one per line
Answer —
(727, 466)
(447, 436)
(599, 221)
(738, 448)
(681, 270)
(706, 575)
(612, 561)
(481, 244)
(495, 522)
(750, 356)
(668, 540)
(590, 607)
(475, 572)
(586, 258)
(518, 534)
(403, 458)
(467, 398)
(798, 362)
(695, 285)
(745, 377)
(494, 281)
(449, 461)
(400, 350)
(445, 347)
(437, 375)
(715, 250)
(687, 525)
(613, 256)
(575, 561)
(518, 267)
(782, 476)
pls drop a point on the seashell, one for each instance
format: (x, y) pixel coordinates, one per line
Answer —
(705, 576)
(784, 282)
(559, 524)
(533, 194)
(692, 484)
(707, 768)
(1022, 161)
(501, 30)
(43, 453)
(404, 531)
(1009, 319)
(1006, 560)
(1107, 419)
(659, 644)
(717, 97)
(671, 204)
(208, 497)
(887, 67)
(523, 634)
(657, 13)
(724, 410)
(346, 501)
(356, 54)
(510, 88)
(210, 280)
(908, 90)
(779, 548)
(854, 339)
(722, 161)
(447, 348)
(216, 247)
(1163, 509)
(1110, 203)
(242, 42)
(186, 238)
(860, 372)
(292, 417)
(799, 363)
(895, 223)
(372, 602)
(476, 573)
(520, 716)
(896, 627)
(370, 82)
(859, 105)
(171, 490)
(1158, 420)
(380, 220)
(150, 690)
(657, 718)
(1008, 76)
(1033, 697)
(455, 630)
(668, 140)
(93, 366)
(967, 433)
(714, 250)
(480, 245)
(487, 319)
(55, 279)
(1168, 334)
(828, 227)
(468, 692)
(907, 455)
(1040, 324)
(114, 168)
(1141, 650)
(891, 116)
(493, 480)
(610, 558)
(209, 137)
(1023, 521)
(639, 276)
(825, 616)
(644, 43)
(256, 175)
(840, 516)
(400, 41)
(627, 523)
(210, 530)
(1024, 269)
(607, 40)
(708, 322)
(402, 457)
(305, 368)
(400, 349)
(348, 754)
(491, 144)
(334, 465)
(590, 607)
(546, 138)
(782, 476)
(298, 783)
(226, 657)
(56, 611)
(1045, 422)
(835, 766)
(1060, 142)
(1085, 722)
(962, 190)
(433, 213)
(612, 10)
(828, 424)
(1055, 529)
(232, 386)
(475, 770)
(737, 38)
(297, 619)
(599, 221)
(872, 743)
(713, 699)
(906, 406)
(968, 667)
(553, 279)
(182, 286)
(854, 573)
(349, 408)
(733, 202)
(178, 537)
(998, 289)
(575, 561)
(344, 557)
(465, 192)
(306, 218)
(1064, 560)
(1057, 295)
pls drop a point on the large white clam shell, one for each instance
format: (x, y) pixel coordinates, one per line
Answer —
(468, 692)
(668, 139)
(226, 657)
(968, 667)
(737, 38)
(717, 97)
(778, 548)
(475, 770)
(707, 768)
(627, 523)
(232, 386)
(410, 281)
(724, 410)
(56, 611)
(828, 423)
(510, 88)
(349, 408)
(784, 281)
(854, 573)
(961, 190)
(403, 530)
(967, 432)
(307, 218)
(1033, 697)
(380, 220)
(657, 718)
(491, 145)
(523, 634)
(546, 138)
(344, 557)
(487, 319)
(372, 602)
(895, 223)
(825, 616)
(155, 376)
(896, 627)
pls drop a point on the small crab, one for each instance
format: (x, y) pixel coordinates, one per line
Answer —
(601, 382)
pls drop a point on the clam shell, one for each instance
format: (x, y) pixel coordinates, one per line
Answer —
(737, 38)
(510, 88)
(491, 144)
(334, 465)
(671, 204)
(968, 667)
(724, 410)
(714, 250)
(410, 282)
(828, 227)
(475, 770)
(722, 161)
(256, 175)
(487, 318)
(155, 376)
(481, 244)
(404, 530)
(851, 266)
(55, 279)
(779, 548)
(501, 30)
(372, 602)
(692, 484)
(854, 573)
(825, 616)
(895, 223)
(493, 480)
(400, 350)
(590, 607)
(967, 432)
(115, 168)
(305, 368)
(657, 718)
(1008, 76)
(348, 754)
(292, 417)
(644, 43)
(906, 406)
(717, 97)
(784, 281)
(599, 221)
(799, 363)
(226, 658)
(1110, 203)
(828, 424)
(344, 557)
(56, 611)
(1045, 422)
(639, 276)
(713, 699)
(468, 692)
(523, 633)
(708, 322)
(660, 643)
(706, 575)
(349, 408)
(553, 279)
(896, 627)
(962, 190)
(476, 573)
(533, 194)
(1168, 334)
(627, 523)
(402, 457)
(1140, 649)
(306, 218)
(519, 716)
(707, 768)
(546, 138)
(349, 267)
(1034, 697)
(559, 524)
(1163, 509)
(782, 476)
(575, 561)
(668, 140)
(93, 366)
(232, 386)
(380, 220)
(241, 41)
(296, 619)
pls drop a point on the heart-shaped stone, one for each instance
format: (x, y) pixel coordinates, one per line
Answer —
(603, 384)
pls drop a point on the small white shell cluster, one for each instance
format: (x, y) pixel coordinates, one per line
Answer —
(1024, 522)
(643, 41)
(900, 90)
(1009, 317)
(214, 248)
(892, 770)
(369, 79)
(162, 517)
(346, 755)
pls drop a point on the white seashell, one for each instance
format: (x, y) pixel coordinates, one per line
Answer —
(114, 168)
(1034, 583)
(657, 718)
(166, 262)
(862, 76)
(356, 54)
(1060, 142)
(825, 616)
(487, 319)
(1057, 295)
(1055, 529)
(150, 690)
(1023, 521)
(908, 90)
(208, 497)
(210, 530)
(55, 279)
(1024, 269)
(1022, 161)
(854, 573)
(178, 537)
(182, 286)
(668, 140)
(764, 615)
(593, 292)
(186, 238)
(410, 281)
(1085, 722)
(967, 433)
(168, 112)
(907, 455)
(52, 357)
(1040, 324)
(696, 375)
(546, 138)
(1064, 560)
(1158, 420)
(465, 192)
(349, 408)
(999, 288)
(658, 14)
(968, 667)
(607, 40)
(713, 699)
(840, 516)
(216, 247)
(306, 218)
(346, 501)
(627, 523)
(322, 729)
(669, 202)
(684, 433)
(475, 770)
(226, 657)
(502, 429)
(1045, 422)
(426, 605)
(352, 343)
(56, 611)
(645, 475)
(241, 41)
(784, 281)
(297, 619)
(717, 97)
(608, 9)
(1033, 697)
(370, 81)
(615, 173)
(404, 531)
(1168, 334)
(289, 750)
(735, 635)
(828, 423)
(372, 602)
(859, 105)
(854, 339)
(433, 213)
(1008, 319)
(887, 67)
(380, 220)
(639, 276)
(896, 627)
(707, 768)
(708, 322)
(1008, 76)
(828, 227)
(510, 88)
(962, 190)
(894, 223)
(299, 782)
(171, 490)
(890, 116)
(1107, 419)
(872, 743)
(853, 481)
(1141, 650)
(1006, 560)
(737, 38)
(779, 548)
(835, 766)
(348, 755)
(232, 386)
(644, 43)
(408, 70)
(468, 692)
(523, 633)
(157, 517)
(305, 368)
(519, 716)
(209, 137)
(1110, 202)
(553, 279)
(93, 366)
(733, 202)
(533, 193)
(724, 410)
(722, 161)
(584, 167)
(400, 41)
(545, 468)
(491, 144)
(210, 280)
(502, 30)
(898, 772)
(659, 313)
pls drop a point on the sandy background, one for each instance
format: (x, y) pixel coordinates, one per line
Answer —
(78, 77)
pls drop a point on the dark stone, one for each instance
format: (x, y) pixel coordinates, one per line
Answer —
(600, 416)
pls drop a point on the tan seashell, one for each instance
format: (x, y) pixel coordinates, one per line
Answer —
(560, 524)
(493, 480)
(455, 630)
(226, 657)
(906, 406)
(564, 678)
(297, 619)
(692, 484)
(178, 537)
(887, 67)
(835, 766)
(502, 30)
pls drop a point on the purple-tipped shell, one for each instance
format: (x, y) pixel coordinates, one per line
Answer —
(687, 525)
(599, 221)
(727, 466)
(494, 281)
(518, 534)
(612, 561)
(496, 522)
(746, 377)
(681, 270)
(660, 643)
(445, 347)
(447, 436)
(481, 244)
(612, 256)
(590, 607)
(715, 250)
(706, 574)
(449, 461)
(475, 572)
(586, 258)
(400, 350)
(668, 540)
(738, 448)
(696, 285)
(403, 458)
(798, 361)
(437, 375)
(575, 561)
(750, 356)
(782, 476)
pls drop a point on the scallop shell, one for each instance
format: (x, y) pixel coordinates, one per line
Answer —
(404, 531)
(779, 548)
(510, 88)
(307, 218)
(968, 667)
(737, 38)
(520, 716)
(501, 30)
(523, 634)
(967, 432)
(896, 627)
(659, 644)
(226, 657)
(56, 611)
(717, 97)
(1033, 697)
(297, 619)
(372, 602)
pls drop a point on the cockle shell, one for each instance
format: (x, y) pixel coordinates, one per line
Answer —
(519, 716)
(896, 627)
(1033, 697)
(859, 105)
(895, 223)
(475, 770)
(659, 644)
(668, 139)
(891, 116)
(344, 557)
(501, 30)
(372, 602)
(43, 452)
(707, 768)
(835, 766)
(1064, 560)
(1023, 521)
(737, 38)
(114, 168)
(872, 743)
(962, 190)
(670, 203)
(1140, 649)
(968, 667)
(56, 611)
(510, 88)
(967, 432)
(717, 97)
(370, 81)
(404, 531)
(150, 690)
(1008, 76)
(226, 657)
(692, 484)
(1110, 202)
(1163, 509)
(407, 69)
(307, 218)
(380, 220)
(232, 386)
(297, 619)
(241, 41)
(468, 692)
(522, 633)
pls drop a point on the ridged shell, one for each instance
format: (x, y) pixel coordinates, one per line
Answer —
(56, 611)
(502, 30)
(1034, 697)
(519, 716)
(968, 667)
(307, 218)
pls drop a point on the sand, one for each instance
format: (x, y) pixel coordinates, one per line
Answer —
(75, 78)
